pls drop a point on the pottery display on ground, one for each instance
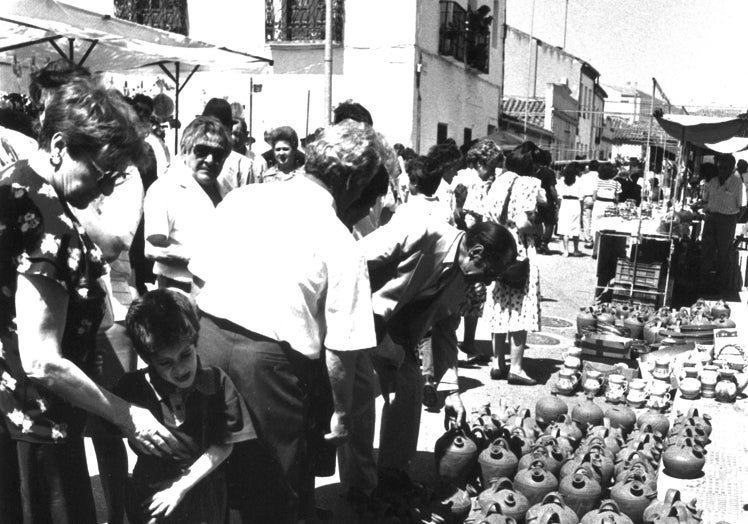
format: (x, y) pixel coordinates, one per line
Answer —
(684, 460)
(501, 491)
(586, 320)
(726, 388)
(690, 385)
(616, 389)
(637, 395)
(587, 413)
(455, 454)
(548, 409)
(621, 416)
(552, 503)
(535, 482)
(607, 513)
(497, 461)
(581, 492)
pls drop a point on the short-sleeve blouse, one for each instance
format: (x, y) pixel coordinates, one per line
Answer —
(39, 235)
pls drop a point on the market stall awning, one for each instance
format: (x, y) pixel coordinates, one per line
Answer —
(35, 31)
(720, 134)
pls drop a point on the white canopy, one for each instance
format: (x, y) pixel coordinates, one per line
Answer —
(720, 134)
(38, 30)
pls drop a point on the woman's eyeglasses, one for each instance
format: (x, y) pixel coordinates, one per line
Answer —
(110, 177)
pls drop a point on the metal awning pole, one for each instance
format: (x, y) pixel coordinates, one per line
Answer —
(649, 132)
(328, 61)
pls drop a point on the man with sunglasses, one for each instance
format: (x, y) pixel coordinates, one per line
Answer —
(179, 204)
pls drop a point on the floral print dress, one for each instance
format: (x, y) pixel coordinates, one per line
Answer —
(515, 309)
(39, 235)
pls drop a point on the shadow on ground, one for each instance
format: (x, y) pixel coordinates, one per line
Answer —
(541, 369)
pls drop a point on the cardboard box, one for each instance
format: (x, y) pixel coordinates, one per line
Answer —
(605, 346)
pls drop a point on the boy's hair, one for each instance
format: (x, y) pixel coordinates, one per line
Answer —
(423, 175)
(160, 319)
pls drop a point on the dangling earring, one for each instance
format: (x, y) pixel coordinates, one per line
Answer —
(55, 160)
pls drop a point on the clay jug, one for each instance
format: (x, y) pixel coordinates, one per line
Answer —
(568, 429)
(503, 412)
(568, 380)
(690, 385)
(623, 417)
(612, 438)
(623, 311)
(699, 307)
(581, 492)
(535, 482)
(703, 422)
(658, 508)
(635, 326)
(595, 463)
(587, 413)
(520, 442)
(651, 331)
(720, 309)
(548, 409)
(607, 513)
(552, 503)
(497, 461)
(453, 504)
(586, 320)
(635, 462)
(563, 442)
(606, 316)
(501, 491)
(656, 420)
(680, 513)
(632, 497)
(494, 516)
(685, 431)
(726, 388)
(551, 456)
(524, 419)
(661, 509)
(685, 460)
(724, 322)
(592, 382)
(617, 387)
(455, 455)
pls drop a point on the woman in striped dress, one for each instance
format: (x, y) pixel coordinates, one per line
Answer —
(606, 194)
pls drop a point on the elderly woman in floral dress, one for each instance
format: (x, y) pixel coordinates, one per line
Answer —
(51, 306)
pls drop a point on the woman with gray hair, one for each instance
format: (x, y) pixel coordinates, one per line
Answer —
(300, 300)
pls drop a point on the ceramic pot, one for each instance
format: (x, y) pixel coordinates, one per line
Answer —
(684, 461)
(520, 442)
(632, 497)
(548, 409)
(551, 456)
(726, 388)
(587, 413)
(661, 369)
(524, 419)
(672, 506)
(703, 422)
(455, 455)
(635, 461)
(607, 513)
(581, 492)
(595, 461)
(635, 326)
(586, 320)
(495, 516)
(497, 461)
(552, 503)
(617, 388)
(501, 491)
(623, 417)
(535, 482)
(637, 395)
(690, 385)
(606, 316)
(724, 322)
(567, 382)
(454, 504)
(572, 358)
(593, 382)
(720, 309)
(709, 377)
(568, 429)
(659, 395)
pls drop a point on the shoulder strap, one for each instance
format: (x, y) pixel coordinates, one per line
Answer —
(505, 209)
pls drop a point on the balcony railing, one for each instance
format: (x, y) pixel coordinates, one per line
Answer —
(465, 34)
(169, 15)
(301, 20)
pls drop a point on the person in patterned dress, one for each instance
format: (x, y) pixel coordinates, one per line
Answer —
(516, 308)
(51, 305)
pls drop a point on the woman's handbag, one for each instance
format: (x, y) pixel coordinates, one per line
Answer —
(529, 226)
(518, 273)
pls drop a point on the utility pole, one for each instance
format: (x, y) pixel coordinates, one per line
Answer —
(529, 70)
(566, 17)
(328, 61)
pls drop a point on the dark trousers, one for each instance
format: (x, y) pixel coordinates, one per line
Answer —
(266, 477)
(716, 243)
(55, 486)
(10, 489)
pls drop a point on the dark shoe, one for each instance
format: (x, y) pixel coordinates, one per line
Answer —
(479, 360)
(519, 380)
(430, 395)
(498, 374)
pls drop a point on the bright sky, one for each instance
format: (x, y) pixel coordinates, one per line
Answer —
(694, 48)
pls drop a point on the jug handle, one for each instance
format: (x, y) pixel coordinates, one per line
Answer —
(610, 505)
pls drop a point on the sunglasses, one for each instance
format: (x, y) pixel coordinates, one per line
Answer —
(202, 151)
(109, 177)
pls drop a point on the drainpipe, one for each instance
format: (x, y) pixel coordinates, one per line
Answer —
(418, 101)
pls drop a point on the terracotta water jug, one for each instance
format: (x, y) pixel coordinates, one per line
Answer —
(581, 492)
(587, 413)
(685, 460)
(592, 382)
(607, 513)
(617, 388)
(586, 320)
(567, 382)
(633, 497)
(524, 419)
(621, 416)
(724, 322)
(497, 461)
(501, 491)
(690, 385)
(709, 377)
(659, 509)
(456, 455)
(655, 419)
(495, 516)
(720, 309)
(453, 504)
(635, 326)
(548, 409)
(606, 315)
(635, 461)
(595, 463)
(552, 503)
(535, 482)
(520, 442)
(697, 420)
(551, 456)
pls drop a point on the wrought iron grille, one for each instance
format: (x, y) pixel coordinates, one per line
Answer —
(169, 15)
(301, 20)
(465, 34)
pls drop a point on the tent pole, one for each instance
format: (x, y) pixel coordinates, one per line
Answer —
(251, 108)
(308, 100)
(71, 49)
(176, 107)
(328, 62)
(649, 132)
(88, 52)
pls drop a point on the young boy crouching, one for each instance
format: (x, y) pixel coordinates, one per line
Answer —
(198, 404)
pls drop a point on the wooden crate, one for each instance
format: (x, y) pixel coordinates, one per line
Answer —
(605, 346)
(648, 276)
